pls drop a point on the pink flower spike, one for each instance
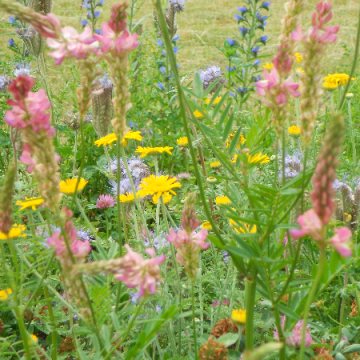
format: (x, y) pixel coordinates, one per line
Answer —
(310, 224)
(80, 248)
(297, 35)
(262, 87)
(341, 241)
(50, 27)
(26, 159)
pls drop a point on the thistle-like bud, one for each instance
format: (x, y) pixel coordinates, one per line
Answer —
(189, 221)
(73, 121)
(32, 40)
(323, 194)
(5, 81)
(6, 199)
(213, 350)
(102, 107)
(41, 6)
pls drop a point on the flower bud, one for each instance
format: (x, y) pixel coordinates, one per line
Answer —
(32, 40)
(6, 198)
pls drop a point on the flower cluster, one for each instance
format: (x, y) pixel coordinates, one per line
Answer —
(29, 114)
(211, 74)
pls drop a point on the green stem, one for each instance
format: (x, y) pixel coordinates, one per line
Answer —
(283, 156)
(24, 334)
(352, 136)
(53, 323)
(239, 338)
(310, 299)
(108, 158)
(250, 293)
(342, 308)
(193, 318)
(222, 292)
(75, 151)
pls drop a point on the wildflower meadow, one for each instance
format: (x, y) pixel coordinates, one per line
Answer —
(154, 208)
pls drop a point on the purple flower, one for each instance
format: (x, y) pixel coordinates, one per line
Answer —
(105, 201)
(263, 39)
(215, 303)
(238, 17)
(159, 42)
(183, 176)
(175, 50)
(261, 18)
(233, 68)
(11, 42)
(84, 22)
(163, 53)
(232, 94)
(255, 50)
(86, 4)
(176, 38)
(163, 69)
(96, 14)
(231, 41)
(12, 20)
(101, 2)
(242, 10)
(265, 5)
(98, 31)
(257, 62)
(244, 30)
(160, 85)
(242, 91)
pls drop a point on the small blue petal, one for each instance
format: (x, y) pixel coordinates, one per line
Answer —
(98, 31)
(231, 41)
(176, 38)
(160, 85)
(84, 22)
(163, 53)
(96, 14)
(160, 43)
(12, 20)
(176, 49)
(232, 94)
(101, 2)
(242, 9)
(11, 42)
(163, 69)
(257, 62)
(86, 5)
(238, 17)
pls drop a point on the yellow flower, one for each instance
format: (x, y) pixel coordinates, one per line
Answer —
(244, 228)
(268, 66)
(294, 130)
(215, 164)
(145, 151)
(239, 316)
(242, 140)
(158, 185)
(15, 232)
(109, 139)
(206, 225)
(198, 114)
(300, 69)
(329, 86)
(166, 197)
(298, 57)
(128, 198)
(30, 202)
(215, 102)
(183, 141)
(258, 158)
(68, 186)
(222, 200)
(332, 81)
(33, 338)
(234, 158)
(4, 294)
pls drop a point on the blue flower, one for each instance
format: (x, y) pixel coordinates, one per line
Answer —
(242, 91)
(242, 9)
(263, 39)
(161, 86)
(163, 53)
(255, 50)
(232, 94)
(96, 14)
(261, 18)
(238, 17)
(86, 4)
(12, 20)
(243, 30)
(265, 5)
(176, 38)
(131, 124)
(98, 31)
(84, 22)
(256, 78)
(11, 42)
(257, 62)
(159, 42)
(175, 50)
(101, 2)
(163, 69)
(231, 41)
(231, 68)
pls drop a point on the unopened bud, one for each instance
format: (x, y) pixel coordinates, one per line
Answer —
(6, 199)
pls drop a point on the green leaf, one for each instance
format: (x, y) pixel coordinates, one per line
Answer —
(340, 356)
(228, 127)
(235, 141)
(351, 348)
(228, 339)
(288, 312)
(216, 242)
(198, 85)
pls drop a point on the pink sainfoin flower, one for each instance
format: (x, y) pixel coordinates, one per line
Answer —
(137, 272)
(314, 221)
(79, 249)
(30, 114)
(70, 44)
(295, 339)
(314, 42)
(187, 241)
(105, 201)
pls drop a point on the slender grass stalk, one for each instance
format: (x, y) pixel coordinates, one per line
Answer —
(193, 319)
(239, 338)
(75, 152)
(310, 299)
(352, 137)
(250, 293)
(53, 323)
(342, 308)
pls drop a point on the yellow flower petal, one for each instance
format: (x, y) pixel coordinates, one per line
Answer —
(68, 186)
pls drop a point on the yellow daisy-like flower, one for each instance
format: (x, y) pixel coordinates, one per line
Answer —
(329, 85)
(215, 102)
(30, 202)
(183, 141)
(258, 158)
(298, 57)
(222, 200)
(294, 130)
(157, 185)
(332, 81)
(15, 232)
(268, 66)
(128, 198)
(109, 139)
(33, 338)
(234, 158)
(69, 185)
(244, 228)
(206, 225)
(239, 316)
(215, 164)
(242, 140)
(4, 294)
(145, 151)
(166, 197)
(198, 114)
(300, 69)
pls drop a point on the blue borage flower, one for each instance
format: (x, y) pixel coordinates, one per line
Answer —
(12, 20)
(231, 41)
(163, 69)
(176, 38)
(244, 30)
(159, 42)
(233, 68)
(255, 50)
(265, 5)
(84, 22)
(260, 17)
(11, 42)
(239, 17)
(242, 9)
(161, 86)
(257, 62)
(175, 49)
(263, 39)
(242, 91)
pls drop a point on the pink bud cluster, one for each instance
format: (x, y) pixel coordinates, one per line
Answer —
(277, 87)
(187, 241)
(295, 339)
(314, 221)
(68, 241)
(29, 114)
(314, 43)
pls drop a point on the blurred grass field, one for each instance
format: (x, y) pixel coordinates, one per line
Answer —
(206, 24)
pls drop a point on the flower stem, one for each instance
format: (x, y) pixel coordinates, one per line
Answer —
(342, 308)
(310, 300)
(193, 318)
(352, 136)
(24, 334)
(75, 152)
(53, 323)
(250, 292)
(239, 338)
